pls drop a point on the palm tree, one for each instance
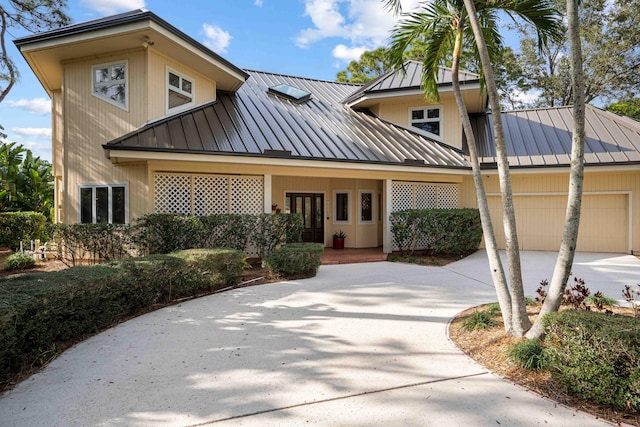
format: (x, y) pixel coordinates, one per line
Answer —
(564, 261)
(444, 25)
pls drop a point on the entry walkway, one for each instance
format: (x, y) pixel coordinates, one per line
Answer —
(359, 344)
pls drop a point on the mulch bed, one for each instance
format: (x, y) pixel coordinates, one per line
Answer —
(490, 349)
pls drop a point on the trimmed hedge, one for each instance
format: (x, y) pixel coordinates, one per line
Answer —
(441, 231)
(163, 233)
(92, 242)
(595, 356)
(22, 226)
(41, 312)
(295, 259)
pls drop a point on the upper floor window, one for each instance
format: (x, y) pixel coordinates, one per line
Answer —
(110, 83)
(428, 119)
(179, 90)
(103, 203)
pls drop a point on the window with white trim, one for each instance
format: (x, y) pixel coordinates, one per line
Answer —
(101, 203)
(179, 90)
(110, 83)
(366, 207)
(342, 207)
(427, 119)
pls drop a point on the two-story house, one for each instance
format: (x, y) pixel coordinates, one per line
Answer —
(146, 119)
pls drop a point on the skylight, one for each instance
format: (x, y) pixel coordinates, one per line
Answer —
(290, 92)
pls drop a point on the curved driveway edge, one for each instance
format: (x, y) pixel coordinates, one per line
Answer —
(359, 344)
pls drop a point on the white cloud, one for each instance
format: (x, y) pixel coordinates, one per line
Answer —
(33, 132)
(216, 38)
(348, 53)
(258, 3)
(364, 24)
(36, 105)
(109, 7)
(526, 98)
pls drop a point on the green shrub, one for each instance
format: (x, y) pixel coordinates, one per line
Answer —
(441, 231)
(40, 312)
(22, 226)
(596, 356)
(18, 261)
(92, 242)
(164, 233)
(295, 259)
(528, 354)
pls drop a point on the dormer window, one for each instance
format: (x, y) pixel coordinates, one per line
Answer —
(110, 83)
(427, 119)
(179, 90)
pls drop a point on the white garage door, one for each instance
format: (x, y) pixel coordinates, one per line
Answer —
(604, 222)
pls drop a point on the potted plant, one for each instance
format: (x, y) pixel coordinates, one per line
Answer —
(338, 239)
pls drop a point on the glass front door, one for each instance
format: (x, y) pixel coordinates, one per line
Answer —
(311, 206)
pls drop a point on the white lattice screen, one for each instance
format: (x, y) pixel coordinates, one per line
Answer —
(246, 195)
(401, 196)
(447, 196)
(422, 195)
(172, 193)
(208, 194)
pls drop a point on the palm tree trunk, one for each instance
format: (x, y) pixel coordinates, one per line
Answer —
(520, 322)
(564, 261)
(495, 264)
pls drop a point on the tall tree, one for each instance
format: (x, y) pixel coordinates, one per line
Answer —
(610, 39)
(371, 64)
(31, 15)
(444, 25)
(628, 107)
(544, 18)
(566, 254)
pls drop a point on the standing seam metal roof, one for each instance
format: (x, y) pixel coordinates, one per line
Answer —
(251, 121)
(542, 137)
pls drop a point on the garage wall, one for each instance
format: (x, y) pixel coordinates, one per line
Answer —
(611, 207)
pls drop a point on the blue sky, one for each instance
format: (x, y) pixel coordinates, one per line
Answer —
(311, 38)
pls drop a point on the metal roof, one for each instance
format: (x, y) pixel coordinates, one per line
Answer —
(254, 122)
(411, 79)
(542, 137)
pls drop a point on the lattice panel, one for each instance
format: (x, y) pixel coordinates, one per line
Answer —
(401, 196)
(210, 194)
(172, 194)
(247, 195)
(425, 196)
(448, 196)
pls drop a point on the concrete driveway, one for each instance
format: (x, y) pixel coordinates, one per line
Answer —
(360, 344)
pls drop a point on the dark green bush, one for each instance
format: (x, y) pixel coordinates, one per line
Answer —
(22, 226)
(18, 261)
(596, 356)
(295, 259)
(441, 231)
(528, 354)
(40, 312)
(164, 233)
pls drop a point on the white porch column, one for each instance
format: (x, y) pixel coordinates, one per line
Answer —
(387, 242)
(267, 193)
